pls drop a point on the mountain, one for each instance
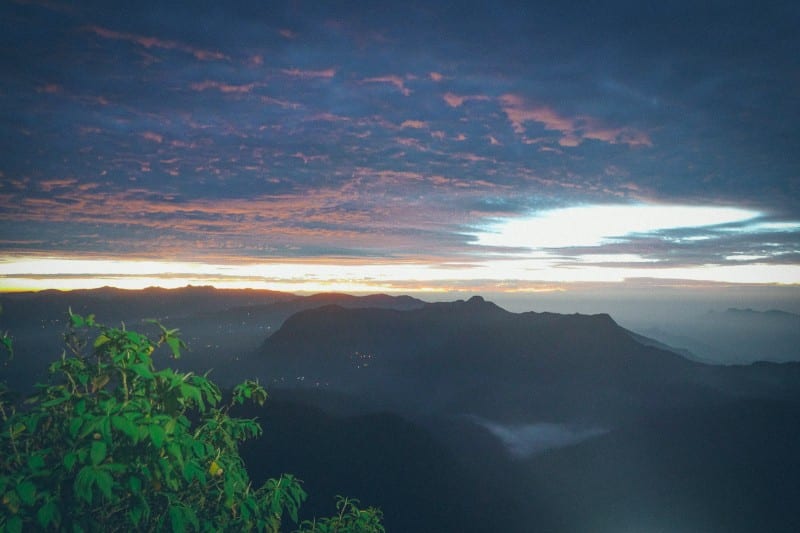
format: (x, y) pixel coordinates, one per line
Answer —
(732, 336)
(572, 422)
(474, 357)
(462, 416)
(219, 325)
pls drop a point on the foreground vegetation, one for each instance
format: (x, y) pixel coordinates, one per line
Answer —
(114, 444)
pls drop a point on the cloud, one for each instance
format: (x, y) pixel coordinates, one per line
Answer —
(59, 183)
(223, 87)
(154, 42)
(152, 136)
(525, 440)
(573, 129)
(415, 124)
(50, 88)
(310, 74)
(397, 81)
(455, 100)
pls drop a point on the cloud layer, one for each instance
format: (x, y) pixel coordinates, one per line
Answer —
(289, 131)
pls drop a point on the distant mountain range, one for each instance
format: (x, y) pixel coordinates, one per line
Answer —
(221, 326)
(731, 336)
(474, 357)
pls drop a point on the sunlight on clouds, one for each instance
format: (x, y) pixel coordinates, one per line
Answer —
(599, 224)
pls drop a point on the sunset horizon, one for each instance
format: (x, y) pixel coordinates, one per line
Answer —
(400, 148)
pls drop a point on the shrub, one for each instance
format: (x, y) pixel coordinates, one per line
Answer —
(113, 444)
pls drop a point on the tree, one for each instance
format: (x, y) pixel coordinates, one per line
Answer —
(114, 444)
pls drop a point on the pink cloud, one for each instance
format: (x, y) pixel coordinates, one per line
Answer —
(50, 88)
(456, 100)
(57, 183)
(574, 130)
(222, 87)
(328, 117)
(287, 33)
(435, 76)
(152, 136)
(415, 124)
(154, 42)
(309, 74)
(397, 81)
(286, 104)
(453, 100)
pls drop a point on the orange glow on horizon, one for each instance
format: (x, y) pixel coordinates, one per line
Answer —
(520, 275)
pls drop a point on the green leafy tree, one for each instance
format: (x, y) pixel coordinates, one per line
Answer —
(114, 444)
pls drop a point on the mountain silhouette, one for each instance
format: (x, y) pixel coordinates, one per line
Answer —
(475, 357)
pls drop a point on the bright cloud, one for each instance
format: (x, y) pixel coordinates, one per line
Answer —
(600, 224)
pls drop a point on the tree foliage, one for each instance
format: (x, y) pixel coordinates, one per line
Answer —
(114, 444)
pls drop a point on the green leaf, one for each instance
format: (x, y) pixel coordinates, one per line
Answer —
(157, 435)
(176, 517)
(98, 452)
(135, 484)
(136, 514)
(193, 393)
(55, 401)
(27, 492)
(35, 462)
(14, 525)
(69, 460)
(101, 340)
(76, 320)
(80, 407)
(48, 514)
(175, 345)
(124, 425)
(75, 426)
(104, 482)
(142, 369)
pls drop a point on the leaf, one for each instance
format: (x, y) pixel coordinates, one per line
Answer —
(75, 426)
(215, 469)
(76, 320)
(104, 482)
(27, 492)
(142, 369)
(48, 514)
(98, 382)
(80, 406)
(176, 517)
(135, 484)
(101, 340)
(14, 525)
(35, 462)
(55, 401)
(124, 425)
(193, 393)
(69, 460)
(157, 435)
(175, 344)
(98, 452)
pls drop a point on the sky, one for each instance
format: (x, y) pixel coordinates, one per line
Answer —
(505, 146)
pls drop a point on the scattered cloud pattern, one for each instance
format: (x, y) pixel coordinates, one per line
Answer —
(287, 131)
